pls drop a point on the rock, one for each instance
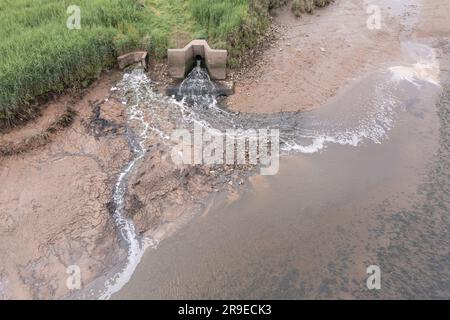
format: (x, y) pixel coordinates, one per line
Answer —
(139, 57)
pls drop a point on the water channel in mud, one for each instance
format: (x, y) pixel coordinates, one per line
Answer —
(362, 182)
(309, 231)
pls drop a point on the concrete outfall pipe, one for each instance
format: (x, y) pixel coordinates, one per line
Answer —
(181, 61)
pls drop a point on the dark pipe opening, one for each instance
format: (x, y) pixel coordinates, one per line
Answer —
(199, 61)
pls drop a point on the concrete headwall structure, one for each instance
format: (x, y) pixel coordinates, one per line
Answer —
(181, 61)
(133, 57)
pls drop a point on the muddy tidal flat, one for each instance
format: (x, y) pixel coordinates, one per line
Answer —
(93, 204)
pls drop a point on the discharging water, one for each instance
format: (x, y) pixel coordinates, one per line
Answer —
(272, 239)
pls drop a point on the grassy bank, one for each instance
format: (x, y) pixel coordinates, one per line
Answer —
(40, 55)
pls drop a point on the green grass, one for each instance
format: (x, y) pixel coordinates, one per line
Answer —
(40, 55)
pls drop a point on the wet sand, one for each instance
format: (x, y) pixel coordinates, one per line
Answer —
(54, 196)
(368, 186)
(317, 55)
(338, 207)
(312, 230)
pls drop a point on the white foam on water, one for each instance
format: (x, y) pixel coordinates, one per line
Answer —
(136, 247)
(425, 67)
(378, 116)
(137, 84)
(134, 83)
(416, 73)
(318, 144)
(3, 293)
(374, 123)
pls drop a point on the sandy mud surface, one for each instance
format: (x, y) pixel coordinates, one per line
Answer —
(316, 55)
(368, 185)
(92, 182)
(54, 196)
(94, 192)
